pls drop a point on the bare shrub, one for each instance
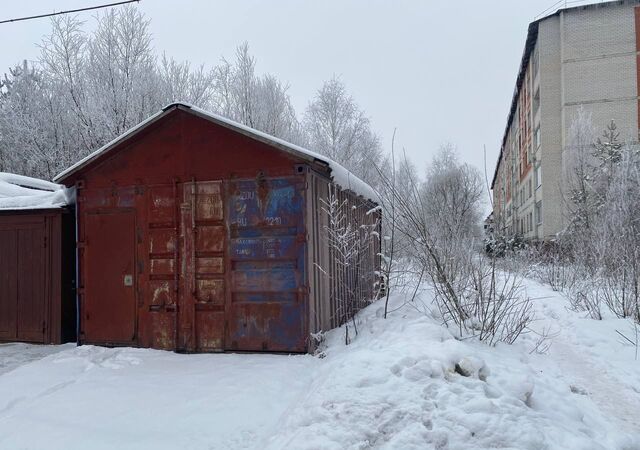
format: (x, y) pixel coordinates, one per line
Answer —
(439, 217)
(584, 296)
(556, 270)
(350, 244)
(619, 291)
(632, 337)
(497, 300)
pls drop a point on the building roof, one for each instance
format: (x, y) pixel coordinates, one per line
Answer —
(18, 192)
(532, 37)
(339, 175)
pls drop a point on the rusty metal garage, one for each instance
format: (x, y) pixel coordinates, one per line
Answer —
(198, 234)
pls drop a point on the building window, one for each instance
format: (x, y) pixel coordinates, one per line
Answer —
(530, 222)
(530, 190)
(539, 212)
(536, 137)
(536, 102)
(536, 62)
(538, 174)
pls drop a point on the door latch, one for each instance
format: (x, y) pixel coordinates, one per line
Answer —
(128, 280)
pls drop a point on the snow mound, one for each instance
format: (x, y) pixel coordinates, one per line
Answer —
(407, 383)
(20, 192)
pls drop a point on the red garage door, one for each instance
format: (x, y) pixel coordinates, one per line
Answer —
(22, 288)
(109, 293)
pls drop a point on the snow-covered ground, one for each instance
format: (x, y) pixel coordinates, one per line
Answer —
(394, 387)
(17, 354)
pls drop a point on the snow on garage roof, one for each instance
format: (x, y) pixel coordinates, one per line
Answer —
(339, 174)
(20, 192)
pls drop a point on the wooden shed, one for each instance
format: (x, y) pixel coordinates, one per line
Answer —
(37, 262)
(198, 234)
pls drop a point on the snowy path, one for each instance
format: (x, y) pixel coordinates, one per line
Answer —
(14, 355)
(593, 370)
(591, 379)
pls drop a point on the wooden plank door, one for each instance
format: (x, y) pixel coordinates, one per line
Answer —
(32, 298)
(8, 284)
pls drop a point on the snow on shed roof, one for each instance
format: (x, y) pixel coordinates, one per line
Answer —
(20, 192)
(339, 174)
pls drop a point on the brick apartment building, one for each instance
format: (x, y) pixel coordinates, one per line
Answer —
(584, 56)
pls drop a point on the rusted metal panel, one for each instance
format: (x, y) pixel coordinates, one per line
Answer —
(109, 291)
(159, 284)
(202, 298)
(267, 261)
(34, 298)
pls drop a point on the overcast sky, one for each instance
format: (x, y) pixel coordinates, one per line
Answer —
(438, 71)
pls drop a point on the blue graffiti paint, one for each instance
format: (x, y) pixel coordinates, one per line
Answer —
(268, 262)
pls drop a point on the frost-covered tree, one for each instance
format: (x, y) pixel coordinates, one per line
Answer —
(616, 239)
(87, 87)
(608, 152)
(120, 74)
(84, 90)
(33, 137)
(590, 165)
(179, 82)
(63, 62)
(602, 238)
(339, 129)
(580, 197)
(261, 102)
(451, 195)
(275, 113)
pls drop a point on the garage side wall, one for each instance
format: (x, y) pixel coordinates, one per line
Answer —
(340, 286)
